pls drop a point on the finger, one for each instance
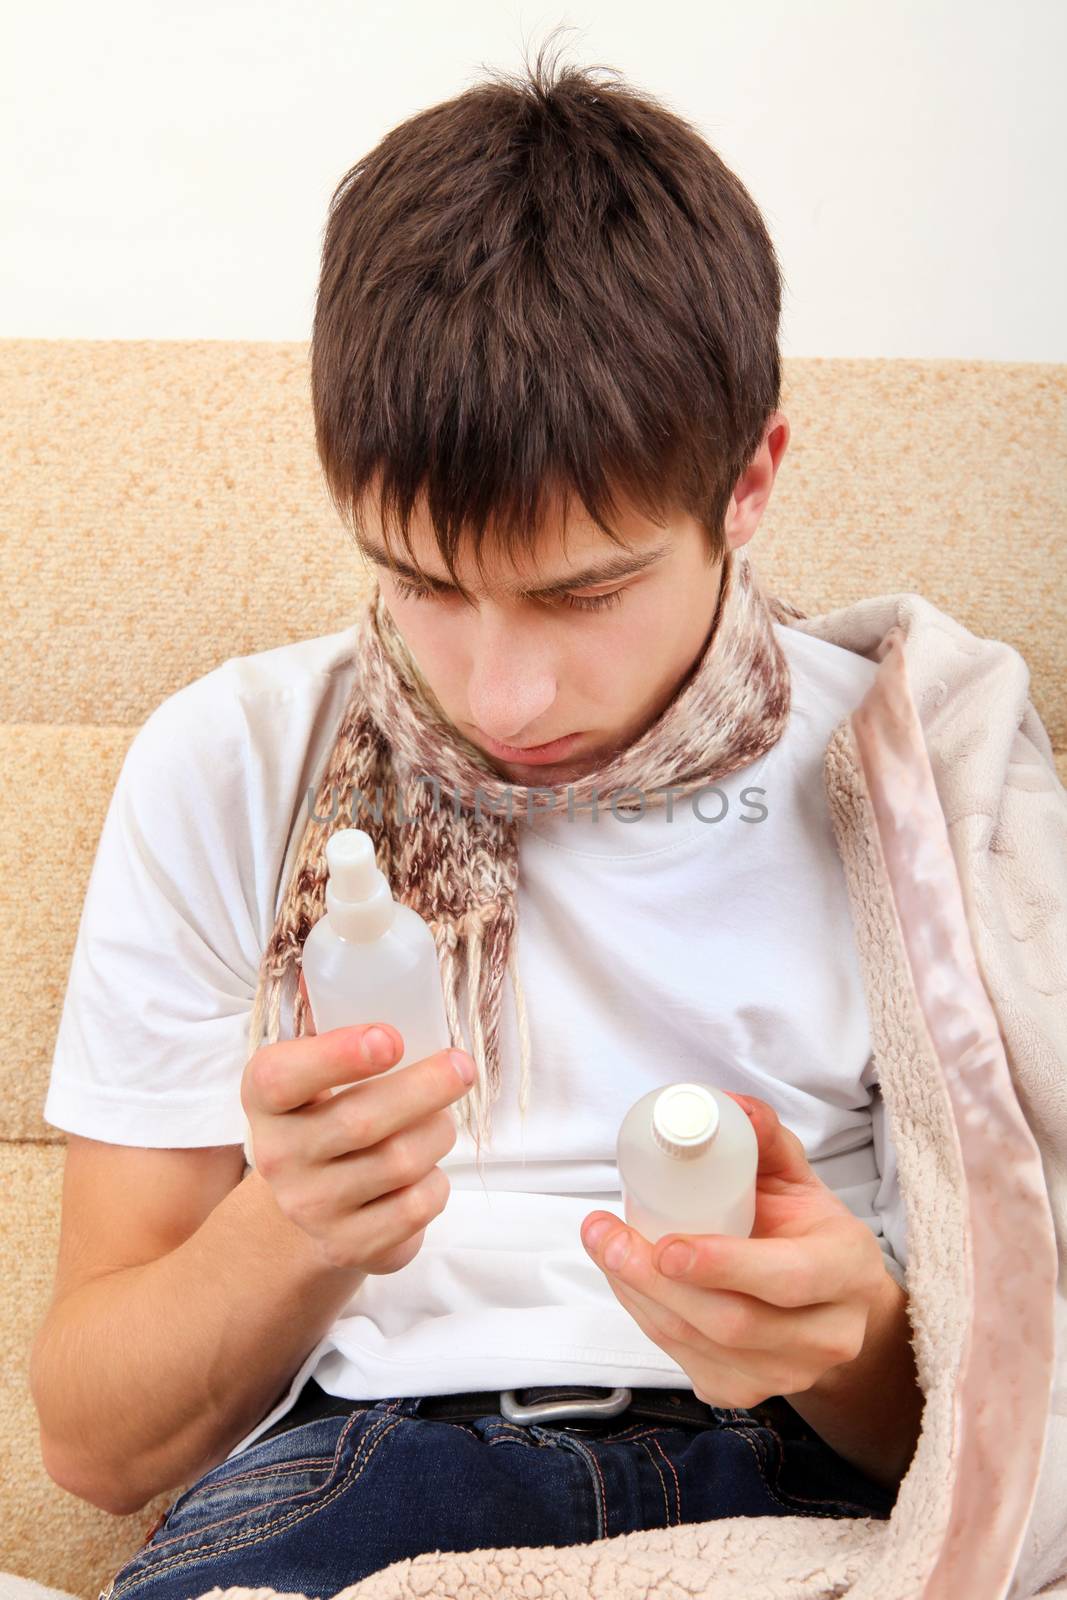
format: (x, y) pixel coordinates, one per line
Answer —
(365, 1114)
(782, 1156)
(806, 1342)
(652, 1322)
(386, 1165)
(669, 1325)
(722, 1307)
(726, 1381)
(734, 1321)
(294, 1071)
(813, 1268)
(701, 1341)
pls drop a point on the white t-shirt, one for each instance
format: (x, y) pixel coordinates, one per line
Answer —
(652, 949)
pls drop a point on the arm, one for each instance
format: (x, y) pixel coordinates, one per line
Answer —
(870, 1409)
(147, 1377)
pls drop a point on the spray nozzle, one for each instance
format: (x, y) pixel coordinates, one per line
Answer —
(358, 897)
(354, 872)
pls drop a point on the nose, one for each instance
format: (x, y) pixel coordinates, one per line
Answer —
(511, 685)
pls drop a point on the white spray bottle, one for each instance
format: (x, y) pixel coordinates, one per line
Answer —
(370, 958)
(687, 1157)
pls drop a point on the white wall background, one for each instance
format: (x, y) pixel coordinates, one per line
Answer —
(166, 165)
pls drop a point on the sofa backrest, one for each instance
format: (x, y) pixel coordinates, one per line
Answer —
(164, 511)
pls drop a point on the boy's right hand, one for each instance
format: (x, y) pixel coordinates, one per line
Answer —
(355, 1170)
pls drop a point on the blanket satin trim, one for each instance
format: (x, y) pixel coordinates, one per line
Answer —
(1004, 1383)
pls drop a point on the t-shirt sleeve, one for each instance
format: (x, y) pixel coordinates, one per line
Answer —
(888, 1201)
(152, 1038)
(865, 1179)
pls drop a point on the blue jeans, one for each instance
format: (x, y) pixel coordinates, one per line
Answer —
(324, 1503)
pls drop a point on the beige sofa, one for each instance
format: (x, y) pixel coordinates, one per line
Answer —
(163, 511)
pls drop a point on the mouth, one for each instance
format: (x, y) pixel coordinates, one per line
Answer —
(535, 755)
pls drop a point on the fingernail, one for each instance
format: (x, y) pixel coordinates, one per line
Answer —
(377, 1048)
(464, 1065)
(617, 1251)
(596, 1231)
(676, 1259)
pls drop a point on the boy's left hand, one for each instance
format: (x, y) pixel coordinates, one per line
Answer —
(767, 1315)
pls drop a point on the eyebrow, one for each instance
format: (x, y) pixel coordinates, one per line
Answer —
(613, 566)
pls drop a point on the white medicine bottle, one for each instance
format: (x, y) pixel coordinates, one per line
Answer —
(371, 958)
(687, 1158)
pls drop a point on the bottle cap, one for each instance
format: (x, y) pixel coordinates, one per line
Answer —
(359, 901)
(685, 1119)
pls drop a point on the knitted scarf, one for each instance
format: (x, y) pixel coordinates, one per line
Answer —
(443, 832)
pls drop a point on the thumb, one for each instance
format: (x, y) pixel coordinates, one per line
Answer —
(781, 1152)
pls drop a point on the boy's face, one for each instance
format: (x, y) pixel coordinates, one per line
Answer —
(592, 664)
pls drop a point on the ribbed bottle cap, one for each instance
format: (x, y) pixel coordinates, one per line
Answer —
(685, 1119)
(359, 900)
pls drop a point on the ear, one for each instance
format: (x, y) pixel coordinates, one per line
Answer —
(753, 488)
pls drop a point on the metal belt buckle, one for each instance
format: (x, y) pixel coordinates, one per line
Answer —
(553, 1410)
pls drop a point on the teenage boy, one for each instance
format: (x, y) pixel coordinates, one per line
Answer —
(545, 354)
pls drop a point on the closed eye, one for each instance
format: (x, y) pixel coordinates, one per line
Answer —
(584, 602)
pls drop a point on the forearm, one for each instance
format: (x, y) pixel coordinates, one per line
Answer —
(145, 1379)
(870, 1410)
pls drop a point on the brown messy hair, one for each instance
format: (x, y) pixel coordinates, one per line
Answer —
(547, 285)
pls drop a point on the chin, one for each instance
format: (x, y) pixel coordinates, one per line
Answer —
(552, 777)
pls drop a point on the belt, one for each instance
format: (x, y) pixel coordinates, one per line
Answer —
(570, 1403)
(562, 1403)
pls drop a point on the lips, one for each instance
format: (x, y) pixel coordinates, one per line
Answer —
(531, 755)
